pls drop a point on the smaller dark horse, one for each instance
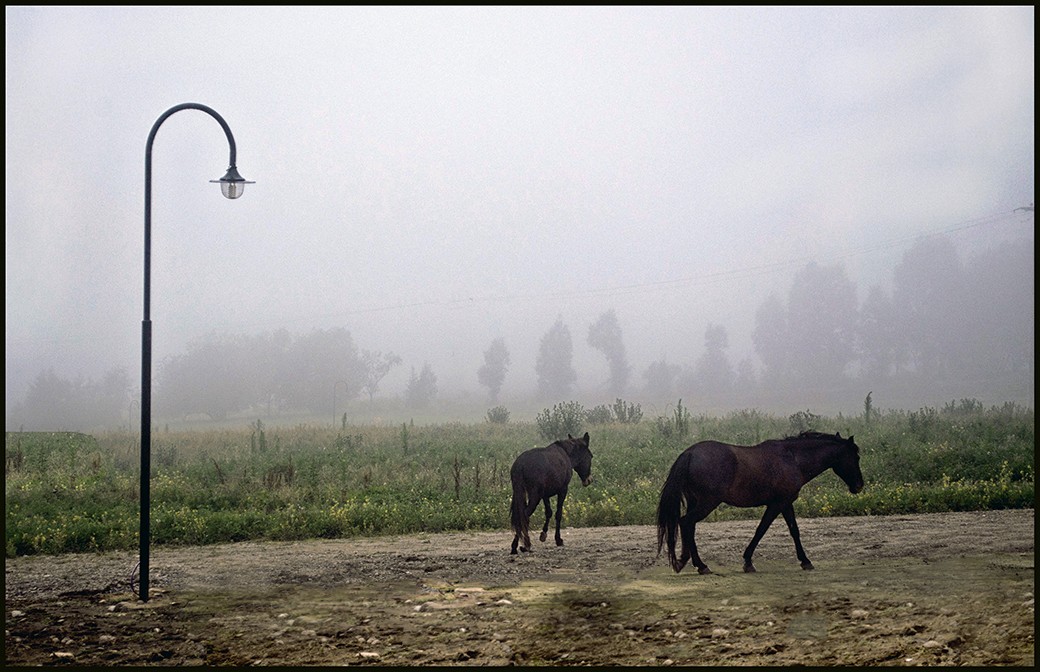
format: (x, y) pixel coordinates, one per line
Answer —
(772, 473)
(540, 473)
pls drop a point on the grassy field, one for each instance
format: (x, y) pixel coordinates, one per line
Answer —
(69, 492)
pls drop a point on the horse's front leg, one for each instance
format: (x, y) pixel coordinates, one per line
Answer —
(548, 515)
(559, 516)
(793, 527)
(772, 511)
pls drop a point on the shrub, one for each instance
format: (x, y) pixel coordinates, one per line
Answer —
(600, 415)
(804, 421)
(563, 419)
(627, 413)
(678, 425)
(499, 415)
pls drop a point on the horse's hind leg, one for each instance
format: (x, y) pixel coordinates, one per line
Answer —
(532, 505)
(793, 527)
(688, 532)
(548, 515)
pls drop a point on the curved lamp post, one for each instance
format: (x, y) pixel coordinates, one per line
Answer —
(231, 185)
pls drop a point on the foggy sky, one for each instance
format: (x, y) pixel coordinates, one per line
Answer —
(431, 179)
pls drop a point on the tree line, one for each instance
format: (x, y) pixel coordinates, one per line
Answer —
(943, 319)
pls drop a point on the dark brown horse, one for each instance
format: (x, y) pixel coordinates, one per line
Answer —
(772, 473)
(541, 473)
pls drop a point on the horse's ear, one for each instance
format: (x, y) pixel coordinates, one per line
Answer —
(586, 437)
(850, 438)
(569, 436)
(837, 434)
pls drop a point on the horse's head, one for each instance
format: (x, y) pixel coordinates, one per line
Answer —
(846, 466)
(581, 456)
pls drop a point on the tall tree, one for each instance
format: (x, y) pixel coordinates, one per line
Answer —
(422, 388)
(555, 371)
(771, 340)
(660, 379)
(1001, 300)
(882, 344)
(321, 361)
(374, 366)
(713, 372)
(492, 373)
(928, 291)
(822, 316)
(207, 378)
(605, 336)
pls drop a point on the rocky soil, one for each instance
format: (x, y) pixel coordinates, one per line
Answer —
(937, 589)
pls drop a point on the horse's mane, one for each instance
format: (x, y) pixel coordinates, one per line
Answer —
(563, 443)
(815, 435)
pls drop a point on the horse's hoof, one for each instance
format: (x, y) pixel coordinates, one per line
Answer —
(559, 542)
(749, 569)
(541, 537)
(703, 570)
(807, 566)
(512, 552)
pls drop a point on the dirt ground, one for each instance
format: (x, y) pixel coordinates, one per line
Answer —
(938, 589)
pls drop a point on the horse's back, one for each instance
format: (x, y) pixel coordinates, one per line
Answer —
(546, 469)
(744, 475)
(711, 464)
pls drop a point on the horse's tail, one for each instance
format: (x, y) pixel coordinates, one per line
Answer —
(669, 508)
(518, 510)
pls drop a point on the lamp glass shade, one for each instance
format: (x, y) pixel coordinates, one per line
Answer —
(232, 184)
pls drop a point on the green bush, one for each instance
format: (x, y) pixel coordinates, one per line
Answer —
(499, 415)
(600, 415)
(627, 413)
(566, 418)
(678, 425)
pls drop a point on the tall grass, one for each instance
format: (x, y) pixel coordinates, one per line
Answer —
(69, 492)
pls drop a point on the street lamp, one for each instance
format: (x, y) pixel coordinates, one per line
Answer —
(231, 185)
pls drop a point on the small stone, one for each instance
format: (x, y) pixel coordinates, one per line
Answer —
(367, 654)
(859, 613)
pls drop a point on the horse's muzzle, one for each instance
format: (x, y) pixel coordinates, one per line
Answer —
(856, 487)
(586, 481)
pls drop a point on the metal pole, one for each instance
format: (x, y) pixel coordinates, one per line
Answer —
(345, 389)
(146, 334)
